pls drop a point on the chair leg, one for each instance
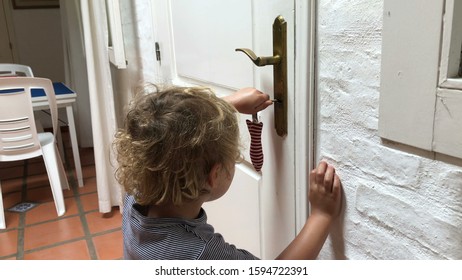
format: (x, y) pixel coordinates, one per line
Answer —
(52, 164)
(2, 214)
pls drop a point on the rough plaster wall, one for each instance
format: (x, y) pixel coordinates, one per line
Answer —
(399, 204)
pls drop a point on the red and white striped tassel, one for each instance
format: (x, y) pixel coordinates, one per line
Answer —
(256, 151)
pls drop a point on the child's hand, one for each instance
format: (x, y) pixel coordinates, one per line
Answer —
(325, 193)
(249, 100)
(326, 200)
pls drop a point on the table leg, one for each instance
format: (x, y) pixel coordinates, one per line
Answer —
(59, 139)
(75, 146)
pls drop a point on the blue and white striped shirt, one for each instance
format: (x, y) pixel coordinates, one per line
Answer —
(173, 238)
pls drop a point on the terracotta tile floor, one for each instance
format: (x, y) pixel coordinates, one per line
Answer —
(81, 234)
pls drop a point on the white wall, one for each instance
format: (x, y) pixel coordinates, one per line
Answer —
(39, 41)
(401, 203)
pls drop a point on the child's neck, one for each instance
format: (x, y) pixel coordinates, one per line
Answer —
(187, 210)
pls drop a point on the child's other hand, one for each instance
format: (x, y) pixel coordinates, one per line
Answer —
(325, 193)
(326, 200)
(249, 100)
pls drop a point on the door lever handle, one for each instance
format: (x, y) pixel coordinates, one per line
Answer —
(260, 61)
(279, 62)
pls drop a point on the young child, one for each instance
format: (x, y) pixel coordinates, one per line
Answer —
(178, 150)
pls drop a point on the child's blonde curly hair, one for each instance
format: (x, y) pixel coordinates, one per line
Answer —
(171, 140)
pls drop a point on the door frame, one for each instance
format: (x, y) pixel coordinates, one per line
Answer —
(305, 105)
(8, 10)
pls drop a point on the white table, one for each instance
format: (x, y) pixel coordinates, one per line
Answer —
(65, 97)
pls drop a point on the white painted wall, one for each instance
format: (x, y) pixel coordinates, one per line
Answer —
(401, 203)
(39, 41)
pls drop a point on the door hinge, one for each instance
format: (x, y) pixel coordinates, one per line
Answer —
(158, 58)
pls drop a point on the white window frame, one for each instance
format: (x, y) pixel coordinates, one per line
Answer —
(421, 93)
(116, 49)
(451, 46)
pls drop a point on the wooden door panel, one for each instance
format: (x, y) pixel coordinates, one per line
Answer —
(205, 40)
(237, 214)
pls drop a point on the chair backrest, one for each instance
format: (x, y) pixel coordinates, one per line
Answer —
(11, 69)
(18, 134)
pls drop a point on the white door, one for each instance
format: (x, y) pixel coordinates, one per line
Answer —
(6, 52)
(197, 42)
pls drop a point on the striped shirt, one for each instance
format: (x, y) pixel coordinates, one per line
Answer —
(173, 238)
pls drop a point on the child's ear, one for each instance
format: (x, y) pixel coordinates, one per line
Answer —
(213, 175)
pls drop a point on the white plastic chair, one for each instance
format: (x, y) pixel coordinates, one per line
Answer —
(11, 69)
(20, 70)
(19, 139)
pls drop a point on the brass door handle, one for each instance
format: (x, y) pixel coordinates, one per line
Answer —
(279, 62)
(260, 61)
